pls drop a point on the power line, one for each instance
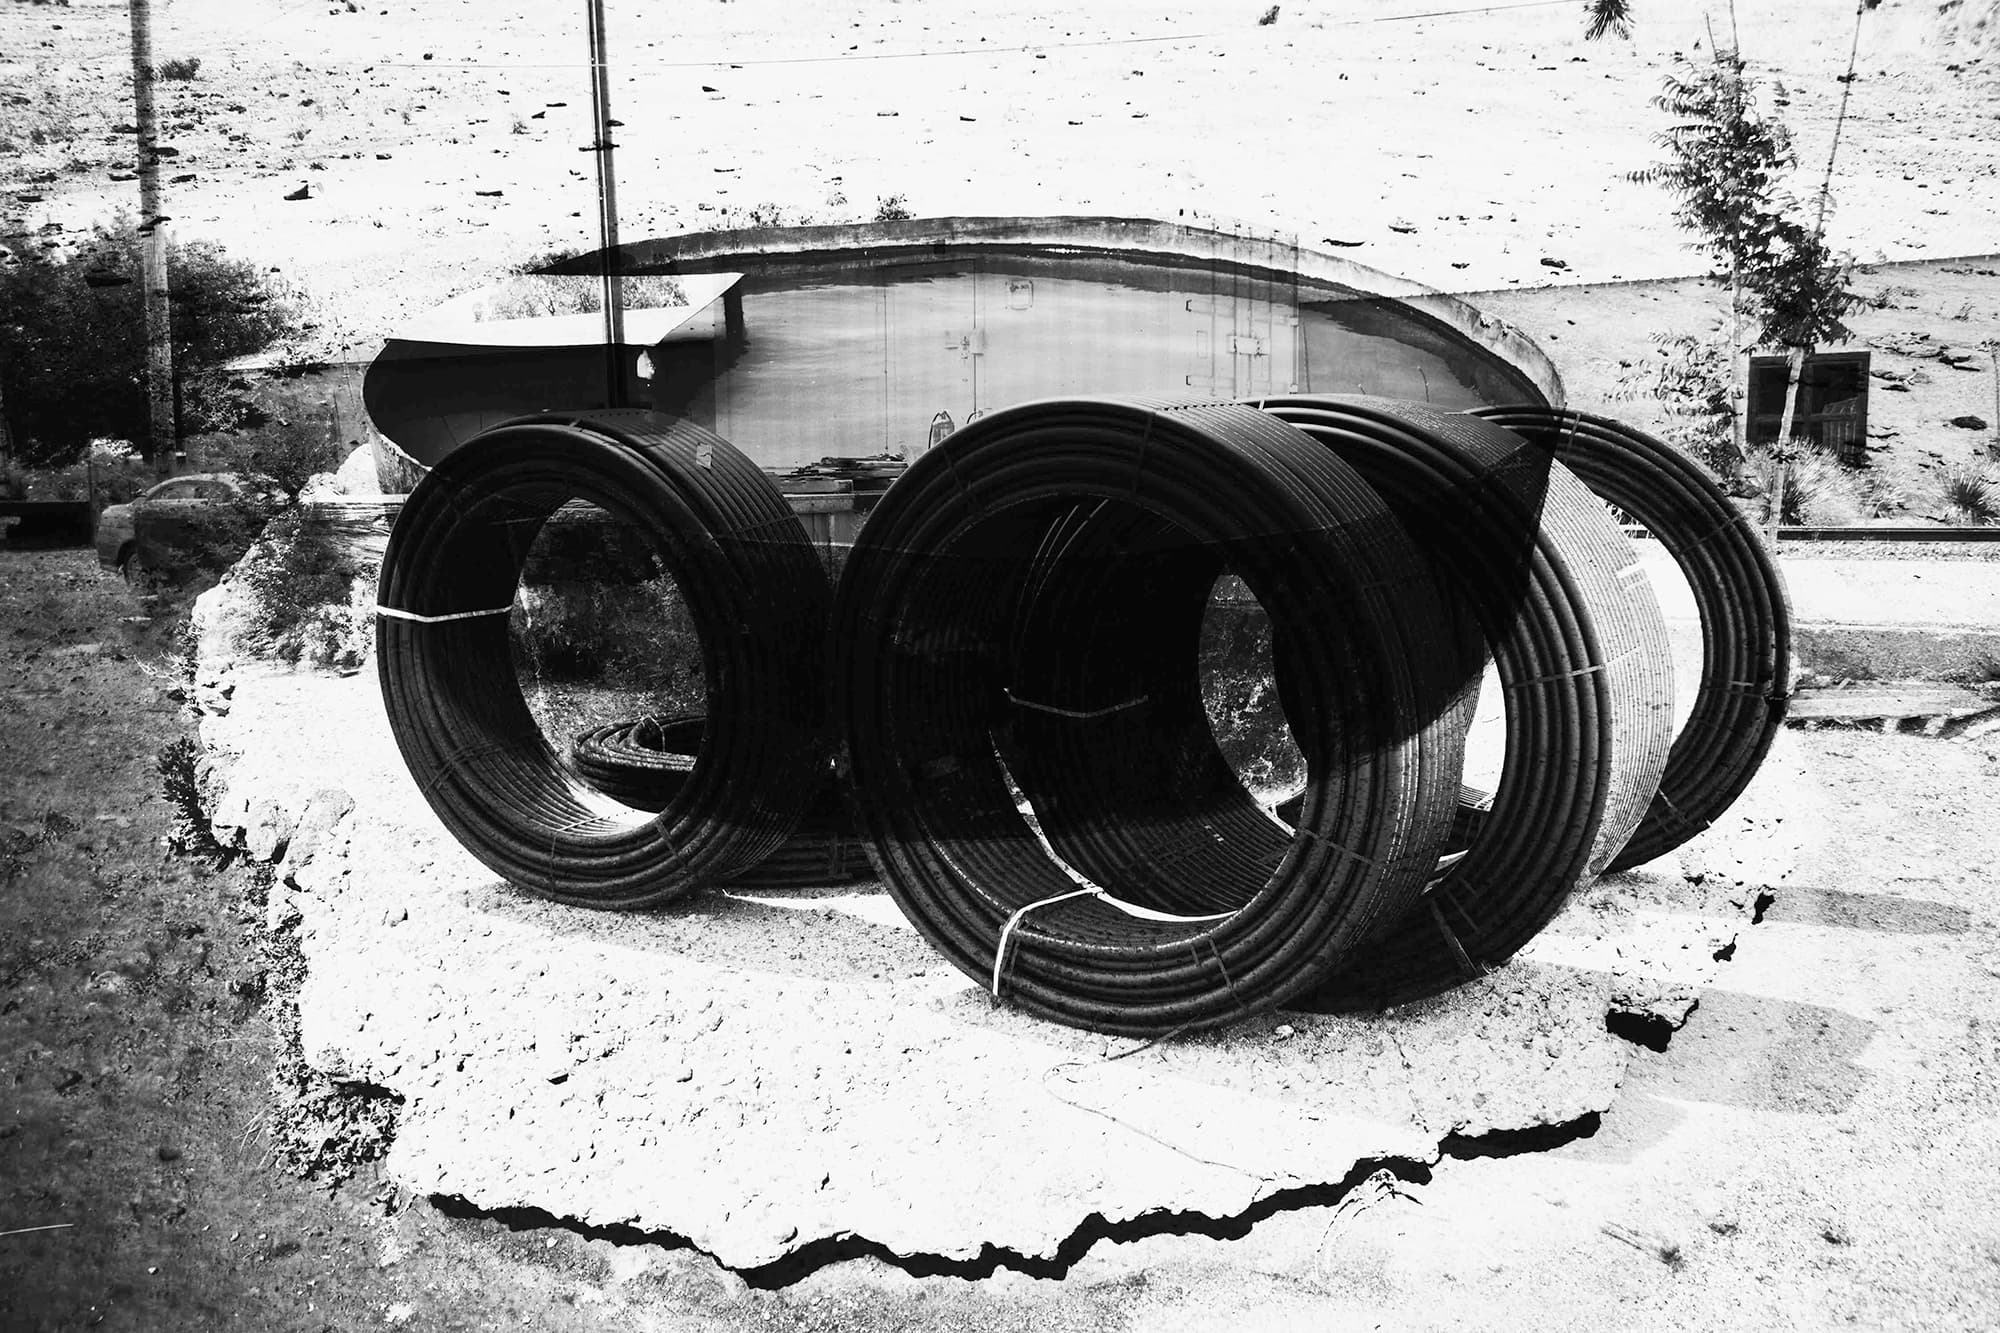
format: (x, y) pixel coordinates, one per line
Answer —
(1846, 87)
(849, 56)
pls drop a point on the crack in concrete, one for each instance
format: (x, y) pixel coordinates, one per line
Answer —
(1645, 1028)
(1655, 1031)
(823, 1251)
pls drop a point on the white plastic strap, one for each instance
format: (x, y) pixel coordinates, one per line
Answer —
(1089, 891)
(398, 614)
(1149, 914)
(1007, 931)
(1085, 713)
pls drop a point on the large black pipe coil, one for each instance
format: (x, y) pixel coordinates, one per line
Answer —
(1539, 570)
(1586, 675)
(1111, 598)
(931, 679)
(1739, 597)
(644, 762)
(756, 594)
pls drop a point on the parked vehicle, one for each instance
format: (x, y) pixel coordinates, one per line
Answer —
(180, 525)
(33, 524)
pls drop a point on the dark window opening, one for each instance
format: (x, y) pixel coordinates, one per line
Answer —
(1833, 402)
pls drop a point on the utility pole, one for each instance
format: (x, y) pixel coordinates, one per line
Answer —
(607, 208)
(153, 249)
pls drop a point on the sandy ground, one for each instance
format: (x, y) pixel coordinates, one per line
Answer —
(1479, 150)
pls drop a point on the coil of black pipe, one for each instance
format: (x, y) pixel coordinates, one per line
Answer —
(1110, 599)
(929, 680)
(1581, 652)
(1739, 597)
(643, 762)
(756, 594)
(1534, 563)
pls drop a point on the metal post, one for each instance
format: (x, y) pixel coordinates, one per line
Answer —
(1993, 360)
(153, 249)
(607, 208)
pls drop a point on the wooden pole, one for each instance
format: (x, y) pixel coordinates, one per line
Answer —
(607, 208)
(153, 249)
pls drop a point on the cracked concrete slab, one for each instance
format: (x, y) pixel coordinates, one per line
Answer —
(768, 1076)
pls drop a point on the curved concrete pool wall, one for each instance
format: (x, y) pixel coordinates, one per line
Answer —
(1134, 239)
(857, 339)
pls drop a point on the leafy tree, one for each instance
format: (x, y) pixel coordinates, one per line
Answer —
(73, 341)
(1608, 16)
(1689, 378)
(1725, 164)
(1803, 289)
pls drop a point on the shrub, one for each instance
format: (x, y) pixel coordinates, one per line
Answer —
(1689, 378)
(537, 296)
(298, 584)
(187, 547)
(892, 209)
(553, 259)
(179, 71)
(179, 765)
(286, 455)
(73, 340)
(1817, 490)
(597, 609)
(1970, 496)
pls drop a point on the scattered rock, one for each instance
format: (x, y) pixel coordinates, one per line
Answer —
(326, 808)
(303, 192)
(1553, 263)
(1906, 344)
(269, 828)
(281, 912)
(1960, 358)
(1968, 422)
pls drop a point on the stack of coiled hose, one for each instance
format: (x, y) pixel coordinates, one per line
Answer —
(643, 762)
(1739, 597)
(754, 590)
(1580, 649)
(1016, 701)
(994, 589)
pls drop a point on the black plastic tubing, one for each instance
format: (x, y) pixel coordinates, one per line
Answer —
(1580, 650)
(758, 599)
(645, 761)
(933, 673)
(1739, 596)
